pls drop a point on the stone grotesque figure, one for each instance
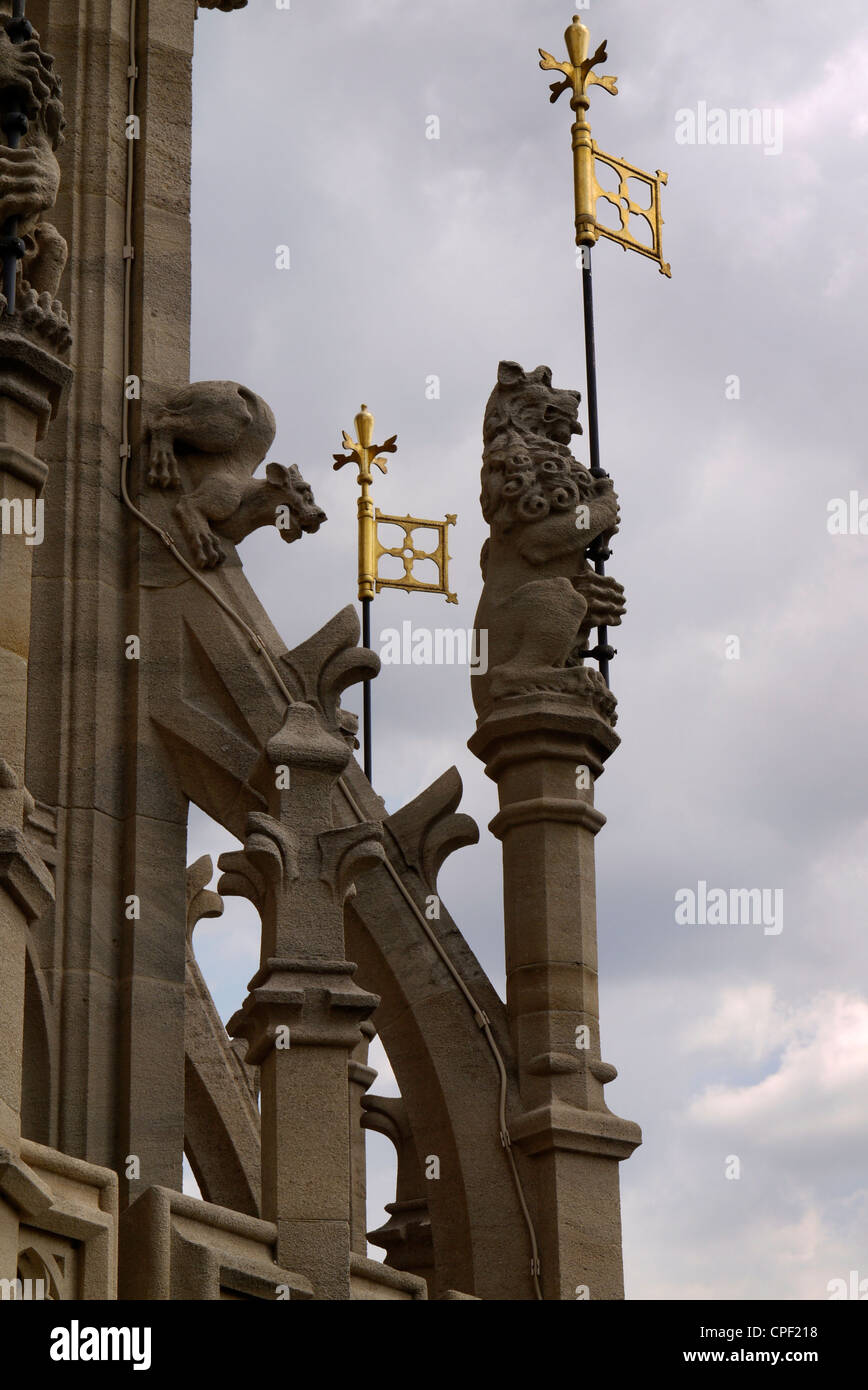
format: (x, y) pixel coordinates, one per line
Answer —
(211, 436)
(29, 181)
(541, 597)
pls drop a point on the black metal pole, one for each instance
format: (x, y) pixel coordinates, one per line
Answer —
(599, 552)
(14, 123)
(366, 688)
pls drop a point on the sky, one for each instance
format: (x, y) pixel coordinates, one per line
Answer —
(729, 420)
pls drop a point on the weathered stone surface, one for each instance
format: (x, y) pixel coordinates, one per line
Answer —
(130, 688)
(541, 597)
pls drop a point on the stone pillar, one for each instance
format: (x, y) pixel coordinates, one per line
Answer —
(32, 381)
(303, 1013)
(362, 1077)
(533, 747)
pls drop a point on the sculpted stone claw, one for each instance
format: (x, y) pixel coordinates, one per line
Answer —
(604, 597)
(164, 466)
(208, 439)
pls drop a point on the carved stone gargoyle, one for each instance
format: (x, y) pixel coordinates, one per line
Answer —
(207, 439)
(541, 596)
(29, 183)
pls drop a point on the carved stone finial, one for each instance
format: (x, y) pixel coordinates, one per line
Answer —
(427, 829)
(541, 596)
(208, 439)
(320, 669)
(201, 900)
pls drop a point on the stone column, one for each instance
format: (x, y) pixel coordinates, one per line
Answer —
(533, 747)
(362, 1077)
(32, 381)
(303, 1013)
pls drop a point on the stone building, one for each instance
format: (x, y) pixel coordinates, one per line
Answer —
(139, 673)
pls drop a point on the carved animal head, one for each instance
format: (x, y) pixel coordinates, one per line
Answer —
(529, 475)
(293, 493)
(528, 469)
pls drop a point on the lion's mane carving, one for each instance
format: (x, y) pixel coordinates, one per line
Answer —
(29, 182)
(541, 597)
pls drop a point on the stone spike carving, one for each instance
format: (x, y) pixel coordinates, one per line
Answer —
(212, 436)
(29, 184)
(221, 1117)
(541, 597)
(321, 669)
(427, 830)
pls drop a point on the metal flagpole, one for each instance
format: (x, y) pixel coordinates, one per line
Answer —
(366, 692)
(578, 76)
(599, 552)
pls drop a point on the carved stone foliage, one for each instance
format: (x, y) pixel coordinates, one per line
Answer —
(541, 597)
(32, 106)
(206, 441)
(323, 667)
(429, 828)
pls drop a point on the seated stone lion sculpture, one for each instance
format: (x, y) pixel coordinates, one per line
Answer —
(29, 182)
(541, 597)
(211, 436)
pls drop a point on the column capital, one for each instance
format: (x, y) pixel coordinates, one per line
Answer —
(316, 1000)
(32, 380)
(527, 728)
(570, 1129)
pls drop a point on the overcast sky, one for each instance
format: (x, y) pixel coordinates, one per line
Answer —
(412, 257)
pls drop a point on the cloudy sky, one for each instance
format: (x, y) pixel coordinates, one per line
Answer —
(412, 257)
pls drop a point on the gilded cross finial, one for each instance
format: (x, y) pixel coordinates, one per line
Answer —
(578, 72)
(362, 451)
(365, 454)
(579, 76)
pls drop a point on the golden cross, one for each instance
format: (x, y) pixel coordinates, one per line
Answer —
(579, 76)
(364, 453)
